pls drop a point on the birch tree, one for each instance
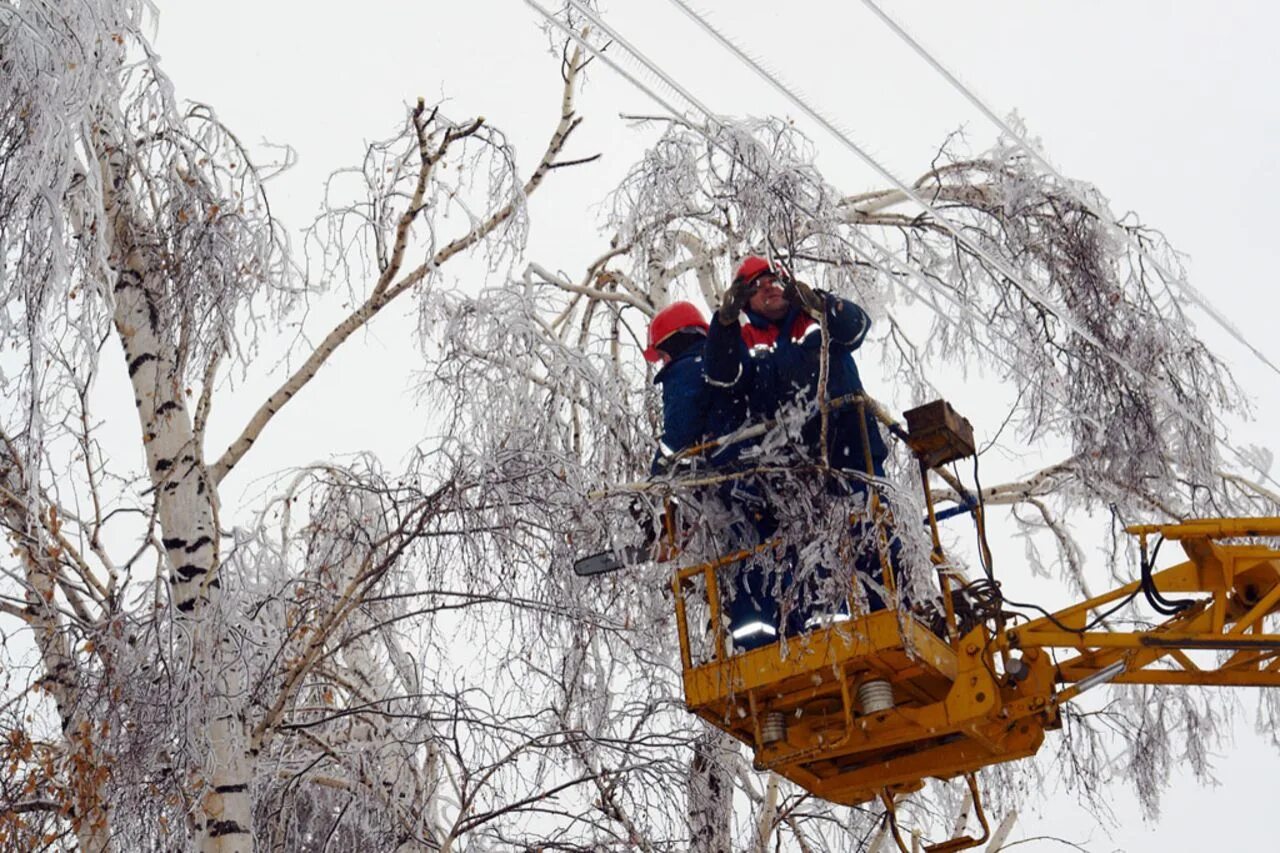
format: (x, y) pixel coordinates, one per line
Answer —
(399, 659)
(173, 681)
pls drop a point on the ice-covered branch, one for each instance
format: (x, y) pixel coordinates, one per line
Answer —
(388, 287)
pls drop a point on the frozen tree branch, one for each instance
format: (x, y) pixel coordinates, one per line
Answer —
(399, 660)
(388, 287)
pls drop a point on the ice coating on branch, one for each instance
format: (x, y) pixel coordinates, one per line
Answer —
(80, 82)
(404, 654)
(549, 386)
(1093, 339)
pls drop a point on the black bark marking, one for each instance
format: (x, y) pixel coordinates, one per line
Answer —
(187, 606)
(226, 827)
(139, 361)
(231, 789)
(167, 407)
(164, 464)
(127, 278)
(171, 544)
(190, 570)
(198, 544)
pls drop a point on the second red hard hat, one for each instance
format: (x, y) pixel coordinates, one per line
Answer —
(668, 321)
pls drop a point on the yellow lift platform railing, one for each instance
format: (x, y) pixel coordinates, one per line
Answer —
(873, 706)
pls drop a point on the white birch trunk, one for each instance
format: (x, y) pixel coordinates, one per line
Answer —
(768, 815)
(710, 794)
(187, 509)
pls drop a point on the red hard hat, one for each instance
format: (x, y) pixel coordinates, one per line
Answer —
(751, 268)
(668, 321)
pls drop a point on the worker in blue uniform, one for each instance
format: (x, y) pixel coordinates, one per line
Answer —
(766, 342)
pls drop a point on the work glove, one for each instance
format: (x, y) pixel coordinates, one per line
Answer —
(733, 301)
(801, 294)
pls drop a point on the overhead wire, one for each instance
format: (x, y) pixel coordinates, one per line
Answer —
(879, 263)
(1002, 266)
(683, 92)
(667, 80)
(885, 254)
(984, 594)
(1178, 281)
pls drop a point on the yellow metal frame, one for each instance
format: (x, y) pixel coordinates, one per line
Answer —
(961, 703)
(1240, 585)
(958, 705)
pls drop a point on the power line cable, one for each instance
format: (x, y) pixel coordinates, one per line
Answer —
(999, 264)
(909, 268)
(666, 79)
(1180, 282)
(885, 254)
(671, 83)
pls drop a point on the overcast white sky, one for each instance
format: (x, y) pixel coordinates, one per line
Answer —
(1169, 108)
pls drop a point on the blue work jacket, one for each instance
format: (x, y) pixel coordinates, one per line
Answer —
(694, 411)
(778, 364)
